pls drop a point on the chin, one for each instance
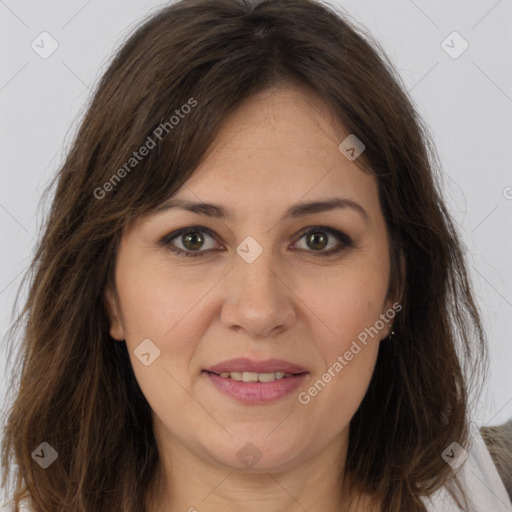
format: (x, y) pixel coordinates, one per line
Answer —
(255, 454)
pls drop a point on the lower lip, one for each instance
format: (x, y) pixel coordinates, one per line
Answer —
(256, 392)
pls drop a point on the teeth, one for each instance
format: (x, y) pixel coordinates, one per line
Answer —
(255, 377)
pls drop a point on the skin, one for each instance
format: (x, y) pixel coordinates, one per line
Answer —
(278, 149)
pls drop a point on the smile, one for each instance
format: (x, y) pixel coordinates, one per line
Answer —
(256, 388)
(254, 376)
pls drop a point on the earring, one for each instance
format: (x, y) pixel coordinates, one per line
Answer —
(392, 341)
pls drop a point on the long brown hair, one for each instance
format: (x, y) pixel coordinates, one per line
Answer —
(75, 388)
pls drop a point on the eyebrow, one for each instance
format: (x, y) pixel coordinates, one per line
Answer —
(296, 211)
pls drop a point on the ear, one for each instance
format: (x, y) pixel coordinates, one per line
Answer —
(114, 314)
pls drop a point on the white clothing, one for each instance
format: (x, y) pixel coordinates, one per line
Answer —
(481, 482)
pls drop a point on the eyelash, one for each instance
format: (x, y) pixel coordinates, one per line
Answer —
(346, 241)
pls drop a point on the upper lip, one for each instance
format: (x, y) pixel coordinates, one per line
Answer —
(244, 364)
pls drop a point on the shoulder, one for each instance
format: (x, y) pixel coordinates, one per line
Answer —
(479, 477)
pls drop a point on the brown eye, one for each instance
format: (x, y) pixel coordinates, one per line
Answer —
(192, 240)
(318, 238)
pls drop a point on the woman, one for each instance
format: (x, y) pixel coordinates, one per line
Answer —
(249, 294)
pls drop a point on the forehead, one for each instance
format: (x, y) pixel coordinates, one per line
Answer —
(281, 118)
(280, 146)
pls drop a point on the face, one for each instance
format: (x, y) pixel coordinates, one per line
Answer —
(259, 283)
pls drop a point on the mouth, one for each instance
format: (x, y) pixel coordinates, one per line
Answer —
(255, 376)
(254, 382)
(255, 388)
(243, 366)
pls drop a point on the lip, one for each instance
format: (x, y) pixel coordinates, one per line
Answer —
(255, 393)
(244, 364)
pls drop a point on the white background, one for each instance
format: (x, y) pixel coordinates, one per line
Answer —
(467, 103)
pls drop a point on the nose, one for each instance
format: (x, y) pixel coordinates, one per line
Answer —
(258, 298)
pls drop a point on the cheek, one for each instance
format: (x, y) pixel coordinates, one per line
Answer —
(157, 300)
(164, 311)
(347, 301)
(335, 393)
(160, 309)
(347, 337)
(350, 382)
